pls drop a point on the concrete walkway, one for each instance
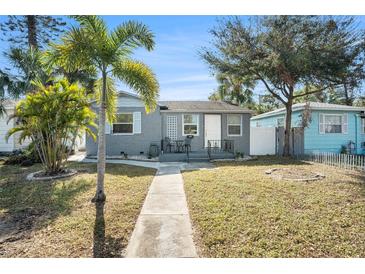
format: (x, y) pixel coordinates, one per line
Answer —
(163, 228)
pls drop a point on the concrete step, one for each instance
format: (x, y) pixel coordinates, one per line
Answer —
(199, 159)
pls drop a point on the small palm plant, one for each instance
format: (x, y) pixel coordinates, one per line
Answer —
(53, 117)
(91, 45)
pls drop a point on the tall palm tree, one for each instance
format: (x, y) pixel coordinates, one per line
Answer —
(92, 45)
(234, 88)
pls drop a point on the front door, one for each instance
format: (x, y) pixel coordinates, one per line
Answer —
(213, 130)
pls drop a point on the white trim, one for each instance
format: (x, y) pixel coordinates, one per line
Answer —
(197, 124)
(362, 125)
(171, 123)
(234, 125)
(342, 122)
(120, 133)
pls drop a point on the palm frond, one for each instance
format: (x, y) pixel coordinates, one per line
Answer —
(141, 79)
(130, 35)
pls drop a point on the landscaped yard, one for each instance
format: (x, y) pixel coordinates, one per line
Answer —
(57, 219)
(239, 211)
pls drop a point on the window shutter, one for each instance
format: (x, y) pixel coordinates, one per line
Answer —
(321, 123)
(107, 127)
(345, 123)
(137, 129)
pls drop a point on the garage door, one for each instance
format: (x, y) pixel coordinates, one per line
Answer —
(6, 146)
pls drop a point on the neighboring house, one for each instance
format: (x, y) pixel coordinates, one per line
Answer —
(13, 141)
(330, 127)
(134, 130)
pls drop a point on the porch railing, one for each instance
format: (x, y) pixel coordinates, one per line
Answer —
(220, 146)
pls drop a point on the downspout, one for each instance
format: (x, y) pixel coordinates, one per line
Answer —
(356, 134)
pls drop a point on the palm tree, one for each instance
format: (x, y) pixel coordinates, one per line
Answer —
(91, 45)
(233, 88)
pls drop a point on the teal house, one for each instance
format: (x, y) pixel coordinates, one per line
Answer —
(327, 127)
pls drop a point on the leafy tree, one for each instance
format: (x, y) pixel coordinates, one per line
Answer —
(286, 53)
(31, 30)
(93, 45)
(234, 88)
(54, 129)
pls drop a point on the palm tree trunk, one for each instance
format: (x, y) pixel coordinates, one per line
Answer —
(100, 195)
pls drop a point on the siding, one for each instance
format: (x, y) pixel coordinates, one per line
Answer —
(272, 120)
(131, 144)
(241, 143)
(197, 143)
(6, 146)
(331, 142)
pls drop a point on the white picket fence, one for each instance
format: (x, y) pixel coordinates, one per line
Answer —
(346, 161)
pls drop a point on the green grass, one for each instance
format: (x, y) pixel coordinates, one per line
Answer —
(57, 219)
(239, 211)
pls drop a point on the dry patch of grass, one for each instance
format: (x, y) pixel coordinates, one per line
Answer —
(239, 211)
(57, 219)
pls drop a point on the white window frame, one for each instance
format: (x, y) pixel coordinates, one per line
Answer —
(363, 125)
(120, 133)
(333, 114)
(240, 124)
(197, 124)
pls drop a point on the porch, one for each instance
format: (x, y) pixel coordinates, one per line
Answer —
(217, 149)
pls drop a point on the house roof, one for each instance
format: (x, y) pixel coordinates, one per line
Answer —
(201, 106)
(312, 105)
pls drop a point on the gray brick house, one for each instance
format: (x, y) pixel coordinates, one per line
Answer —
(212, 126)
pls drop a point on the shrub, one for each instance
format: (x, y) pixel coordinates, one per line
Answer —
(53, 117)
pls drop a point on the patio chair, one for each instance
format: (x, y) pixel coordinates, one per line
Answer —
(168, 144)
(187, 144)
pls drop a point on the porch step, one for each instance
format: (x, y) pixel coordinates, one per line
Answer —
(198, 159)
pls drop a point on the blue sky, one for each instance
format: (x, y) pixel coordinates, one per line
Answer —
(175, 60)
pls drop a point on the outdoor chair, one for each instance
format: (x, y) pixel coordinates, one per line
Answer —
(168, 144)
(187, 144)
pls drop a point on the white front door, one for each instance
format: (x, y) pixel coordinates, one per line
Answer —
(213, 129)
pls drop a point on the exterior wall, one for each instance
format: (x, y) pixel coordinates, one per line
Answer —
(241, 143)
(332, 142)
(135, 143)
(197, 143)
(271, 121)
(6, 146)
(313, 140)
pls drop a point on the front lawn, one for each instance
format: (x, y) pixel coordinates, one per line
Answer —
(239, 211)
(57, 219)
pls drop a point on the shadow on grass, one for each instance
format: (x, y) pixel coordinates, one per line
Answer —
(32, 205)
(104, 246)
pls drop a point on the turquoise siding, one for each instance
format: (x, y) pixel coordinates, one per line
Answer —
(271, 121)
(316, 142)
(332, 142)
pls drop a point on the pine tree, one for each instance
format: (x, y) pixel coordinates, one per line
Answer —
(31, 30)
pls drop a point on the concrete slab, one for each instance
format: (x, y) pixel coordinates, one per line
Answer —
(165, 204)
(163, 228)
(162, 236)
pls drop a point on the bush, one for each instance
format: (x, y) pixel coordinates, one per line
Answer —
(53, 116)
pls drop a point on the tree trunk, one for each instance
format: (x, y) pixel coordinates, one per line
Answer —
(32, 31)
(100, 195)
(288, 106)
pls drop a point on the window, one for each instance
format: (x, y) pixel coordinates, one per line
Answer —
(123, 124)
(234, 125)
(280, 122)
(333, 123)
(190, 124)
(363, 125)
